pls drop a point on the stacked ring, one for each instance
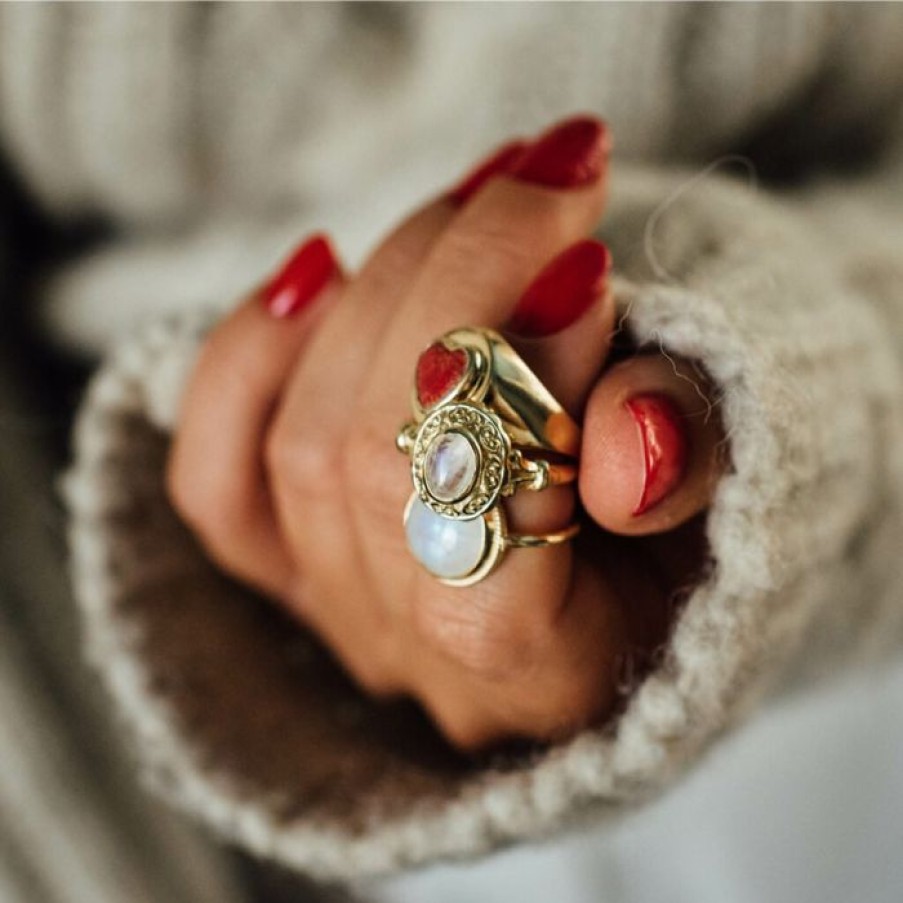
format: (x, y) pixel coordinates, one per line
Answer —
(484, 428)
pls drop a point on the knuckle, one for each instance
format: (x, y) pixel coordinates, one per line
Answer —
(302, 462)
(374, 474)
(212, 506)
(396, 255)
(363, 453)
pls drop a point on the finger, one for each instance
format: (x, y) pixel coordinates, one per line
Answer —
(318, 400)
(500, 629)
(303, 448)
(617, 611)
(325, 395)
(562, 327)
(332, 593)
(215, 473)
(487, 257)
(553, 674)
(474, 275)
(305, 464)
(326, 384)
(652, 446)
(581, 661)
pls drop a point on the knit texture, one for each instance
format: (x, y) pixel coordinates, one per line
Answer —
(241, 718)
(211, 136)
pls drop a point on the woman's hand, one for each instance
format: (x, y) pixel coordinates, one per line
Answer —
(285, 464)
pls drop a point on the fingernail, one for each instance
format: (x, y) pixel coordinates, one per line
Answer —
(571, 154)
(664, 441)
(496, 163)
(301, 278)
(563, 290)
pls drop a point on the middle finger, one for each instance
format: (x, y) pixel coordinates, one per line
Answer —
(473, 275)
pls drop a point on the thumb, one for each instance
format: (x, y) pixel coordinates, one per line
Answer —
(653, 446)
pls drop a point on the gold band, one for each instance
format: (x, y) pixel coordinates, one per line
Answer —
(519, 541)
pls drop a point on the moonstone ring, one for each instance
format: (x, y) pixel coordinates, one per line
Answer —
(484, 427)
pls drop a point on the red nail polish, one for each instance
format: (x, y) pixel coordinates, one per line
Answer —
(664, 447)
(571, 154)
(563, 291)
(494, 165)
(301, 278)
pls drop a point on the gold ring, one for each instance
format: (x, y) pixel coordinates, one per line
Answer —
(484, 428)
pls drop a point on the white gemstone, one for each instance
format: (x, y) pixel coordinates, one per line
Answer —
(450, 467)
(446, 547)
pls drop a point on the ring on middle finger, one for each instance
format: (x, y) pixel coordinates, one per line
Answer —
(484, 426)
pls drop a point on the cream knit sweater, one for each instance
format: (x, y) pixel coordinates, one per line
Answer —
(252, 123)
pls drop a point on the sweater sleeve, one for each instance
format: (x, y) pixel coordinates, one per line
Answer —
(241, 718)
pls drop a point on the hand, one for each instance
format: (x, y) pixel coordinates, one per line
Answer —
(284, 461)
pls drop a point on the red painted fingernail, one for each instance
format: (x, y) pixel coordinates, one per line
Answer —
(301, 278)
(563, 291)
(571, 154)
(495, 164)
(664, 447)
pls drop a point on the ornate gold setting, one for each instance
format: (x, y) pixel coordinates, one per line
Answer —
(488, 438)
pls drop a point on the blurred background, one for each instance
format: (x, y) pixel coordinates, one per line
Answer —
(160, 158)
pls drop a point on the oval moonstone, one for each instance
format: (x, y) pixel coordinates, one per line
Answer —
(449, 467)
(445, 547)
